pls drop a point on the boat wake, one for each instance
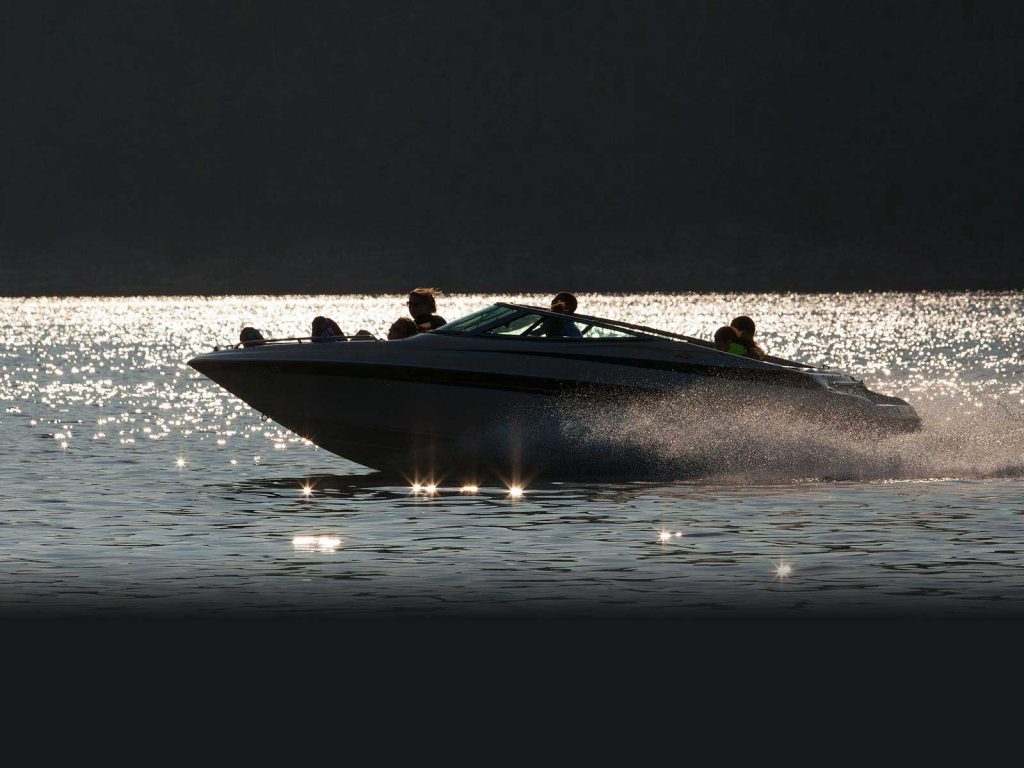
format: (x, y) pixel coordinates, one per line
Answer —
(775, 443)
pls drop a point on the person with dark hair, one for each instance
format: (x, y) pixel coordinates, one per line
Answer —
(727, 339)
(423, 308)
(325, 329)
(745, 330)
(363, 335)
(564, 303)
(402, 328)
(250, 337)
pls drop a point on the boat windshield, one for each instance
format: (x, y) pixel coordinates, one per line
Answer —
(512, 320)
(501, 320)
(479, 320)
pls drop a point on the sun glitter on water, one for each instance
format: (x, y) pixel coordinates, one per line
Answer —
(324, 543)
(783, 570)
(125, 372)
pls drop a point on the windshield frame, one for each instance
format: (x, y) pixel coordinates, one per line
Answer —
(637, 332)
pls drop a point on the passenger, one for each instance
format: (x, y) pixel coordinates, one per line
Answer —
(250, 337)
(745, 329)
(422, 307)
(402, 328)
(363, 335)
(564, 303)
(727, 339)
(325, 329)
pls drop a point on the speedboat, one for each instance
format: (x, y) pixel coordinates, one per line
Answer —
(504, 390)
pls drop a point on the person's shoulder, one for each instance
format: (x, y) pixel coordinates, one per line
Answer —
(429, 323)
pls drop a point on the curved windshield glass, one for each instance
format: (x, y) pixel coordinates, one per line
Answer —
(517, 326)
(600, 332)
(501, 320)
(558, 327)
(478, 320)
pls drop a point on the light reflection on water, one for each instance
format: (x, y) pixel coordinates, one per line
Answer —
(129, 483)
(316, 543)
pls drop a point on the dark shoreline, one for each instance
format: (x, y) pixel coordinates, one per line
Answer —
(505, 266)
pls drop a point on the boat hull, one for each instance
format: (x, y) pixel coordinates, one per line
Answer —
(420, 410)
(416, 427)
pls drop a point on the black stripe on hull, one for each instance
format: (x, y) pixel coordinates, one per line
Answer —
(756, 374)
(534, 385)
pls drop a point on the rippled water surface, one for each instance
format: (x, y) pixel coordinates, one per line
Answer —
(130, 484)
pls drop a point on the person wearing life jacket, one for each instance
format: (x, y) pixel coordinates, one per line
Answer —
(727, 339)
(423, 307)
(250, 337)
(745, 330)
(565, 304)
(325, 329)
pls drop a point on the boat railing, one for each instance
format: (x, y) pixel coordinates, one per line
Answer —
(293, 340)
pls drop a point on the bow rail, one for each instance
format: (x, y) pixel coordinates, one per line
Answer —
(295, 339)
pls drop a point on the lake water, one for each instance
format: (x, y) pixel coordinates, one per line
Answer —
(130, 485)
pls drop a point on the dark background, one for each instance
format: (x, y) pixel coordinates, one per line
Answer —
(211, 147)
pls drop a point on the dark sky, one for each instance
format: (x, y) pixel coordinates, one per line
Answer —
(210, 125)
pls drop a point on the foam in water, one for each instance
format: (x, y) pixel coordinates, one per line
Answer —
(776, 443)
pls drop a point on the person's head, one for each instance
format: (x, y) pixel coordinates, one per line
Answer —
(422, 301)
(250, 337)
(564, 302)
(402, 328)
(745, 326)
(725, 337)
(320, 326)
